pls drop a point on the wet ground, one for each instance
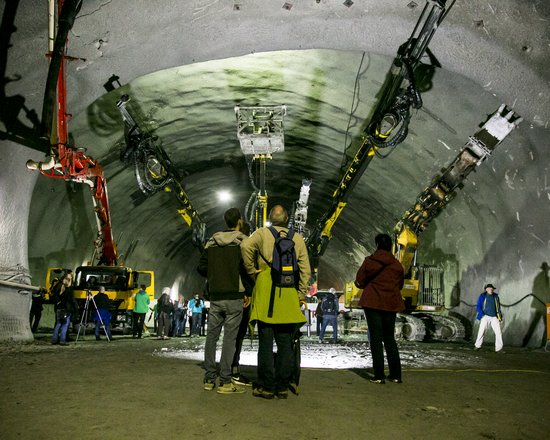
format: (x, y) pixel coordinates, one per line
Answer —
(150, 388)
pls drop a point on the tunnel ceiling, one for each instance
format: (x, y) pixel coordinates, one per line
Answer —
(329, 83)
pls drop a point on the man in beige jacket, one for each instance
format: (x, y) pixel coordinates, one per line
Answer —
(283, 318)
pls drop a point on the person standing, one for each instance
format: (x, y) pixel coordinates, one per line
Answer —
(141, 307)
(103, 314)
(329, 307)
(180, 316)
(221, 264)
(278, 315)
(36, 309)
(195, 306)
(65, 307)
(237, 378)
(165, 309)
(489, 314)
(381, 278)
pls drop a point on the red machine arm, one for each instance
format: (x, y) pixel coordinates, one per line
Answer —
(72, 164)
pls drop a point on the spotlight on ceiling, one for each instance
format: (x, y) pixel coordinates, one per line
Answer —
(224, 196)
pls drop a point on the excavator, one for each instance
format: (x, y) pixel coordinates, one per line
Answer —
(425, 315)
(74, 165)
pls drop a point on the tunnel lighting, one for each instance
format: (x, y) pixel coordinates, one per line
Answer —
(224, 196)
(260, 129)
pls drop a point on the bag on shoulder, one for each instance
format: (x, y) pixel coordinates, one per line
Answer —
(284, 265)
(328, 306)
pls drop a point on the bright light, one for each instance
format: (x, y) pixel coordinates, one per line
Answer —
(268, 224)
(224, 196)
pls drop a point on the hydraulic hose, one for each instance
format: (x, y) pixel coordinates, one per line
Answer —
(65, 23)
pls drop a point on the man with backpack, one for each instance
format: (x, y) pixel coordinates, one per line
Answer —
(278, 260)
(329, 307)
(221, 263)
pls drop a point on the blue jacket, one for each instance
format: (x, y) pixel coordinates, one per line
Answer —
(481, 301)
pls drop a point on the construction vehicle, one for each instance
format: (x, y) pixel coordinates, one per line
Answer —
(73, 165)
(155, 171)
(388, 126)
(425, 314)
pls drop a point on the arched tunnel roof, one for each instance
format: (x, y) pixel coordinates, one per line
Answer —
(186, 64)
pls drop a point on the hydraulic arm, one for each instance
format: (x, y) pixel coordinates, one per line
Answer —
(68, 163)
(388, 126)
(433, 200)
(261, 133)
(155, 171)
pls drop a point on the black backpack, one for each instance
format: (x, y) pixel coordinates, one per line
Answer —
(284, 266)
(328, 306)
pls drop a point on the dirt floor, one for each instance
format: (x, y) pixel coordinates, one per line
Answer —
(151, 389)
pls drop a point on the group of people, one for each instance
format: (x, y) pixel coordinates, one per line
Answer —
(171, 316)
(244, 295)
(242, 292)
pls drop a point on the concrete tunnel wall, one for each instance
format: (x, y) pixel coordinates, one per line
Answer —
(502, 49)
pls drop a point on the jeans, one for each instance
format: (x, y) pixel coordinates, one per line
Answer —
(275, 372)
(179, 322)
(107, 329)
(333, 321)
(227, 314)
(243, 328)
(61, 325)
(382, 336)
(197, 324)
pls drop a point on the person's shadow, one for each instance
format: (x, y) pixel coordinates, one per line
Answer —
(541, 297)
(21, 123)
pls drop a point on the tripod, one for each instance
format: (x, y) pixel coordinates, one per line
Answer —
(84, 319)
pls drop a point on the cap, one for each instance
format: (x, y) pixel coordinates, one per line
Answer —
(489, 285)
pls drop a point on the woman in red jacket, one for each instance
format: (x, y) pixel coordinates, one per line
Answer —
(381, 278)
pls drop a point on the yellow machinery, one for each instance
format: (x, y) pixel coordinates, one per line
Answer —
(121, 284)
(155, 171)
(423, 289)
(388, 126)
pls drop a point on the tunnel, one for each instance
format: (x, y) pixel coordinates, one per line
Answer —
(186, 65)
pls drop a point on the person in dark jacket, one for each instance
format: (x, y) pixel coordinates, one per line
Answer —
(36, 309)
(236, 376)
(221, 263)
(165, 310)
(330, 311)
(65, 307)
(489, 314)
(103, 314)
(381, 278)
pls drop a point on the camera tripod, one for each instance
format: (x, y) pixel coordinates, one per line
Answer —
(84, 319)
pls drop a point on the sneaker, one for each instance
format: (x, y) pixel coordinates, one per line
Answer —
(293, 387)
(229, 388)
(282, 395)
(379, 381)
(208, 386)
(395, 380)
(239, 379)
(260, 392)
